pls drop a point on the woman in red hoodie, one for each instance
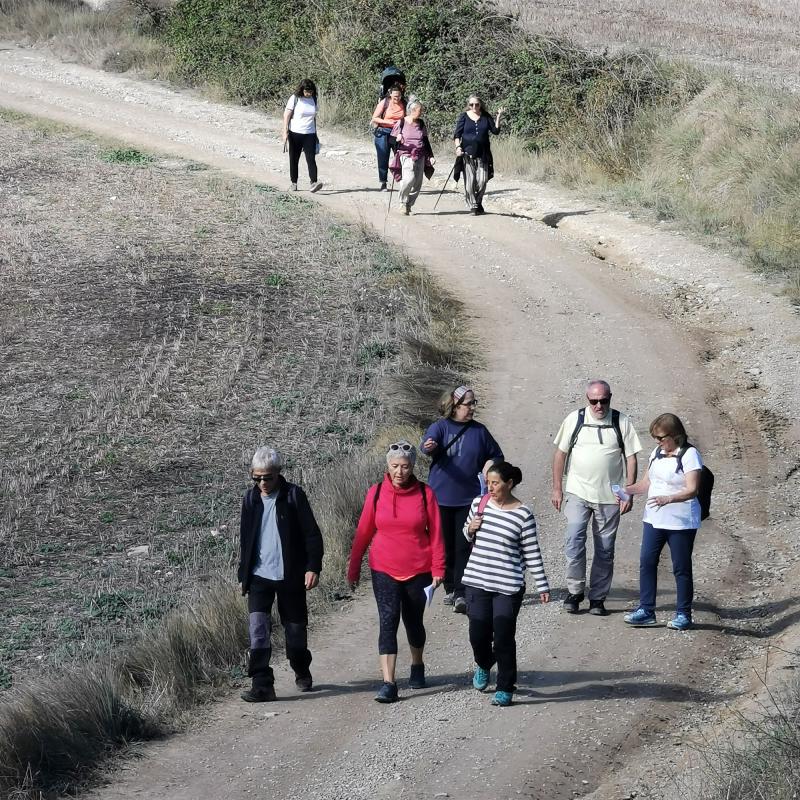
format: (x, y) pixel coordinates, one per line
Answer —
(400, 520)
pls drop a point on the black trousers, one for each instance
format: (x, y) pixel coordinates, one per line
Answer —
(456, 547)
(492, 632)
(398, 599)
(293, 612)
(302, 143)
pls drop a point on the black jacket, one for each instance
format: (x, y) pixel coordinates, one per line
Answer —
(301, 540)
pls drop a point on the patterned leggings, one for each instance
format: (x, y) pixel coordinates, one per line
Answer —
(400, 598)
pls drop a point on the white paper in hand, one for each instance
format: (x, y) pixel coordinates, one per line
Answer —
(429, 590)
(619, 492)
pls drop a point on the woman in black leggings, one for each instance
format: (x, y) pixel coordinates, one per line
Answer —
(300, 131)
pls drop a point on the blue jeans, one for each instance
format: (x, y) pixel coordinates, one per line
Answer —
(680, 544)
(383, 150)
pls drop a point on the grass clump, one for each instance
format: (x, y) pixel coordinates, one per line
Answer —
(126, 155)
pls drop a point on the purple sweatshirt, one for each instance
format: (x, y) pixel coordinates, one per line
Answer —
(454, 474)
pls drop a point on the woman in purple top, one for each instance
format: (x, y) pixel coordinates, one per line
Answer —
(460, 449)
(414, 154)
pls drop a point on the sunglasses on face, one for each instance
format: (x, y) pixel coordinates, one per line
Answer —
(474, 105)
(404, 446)
(661, 438)
(259, 478)
(471, 403)
(599, 401)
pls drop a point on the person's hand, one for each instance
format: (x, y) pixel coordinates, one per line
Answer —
(312, 579)
(557, 498)
(459, 150)
(657, 502)
(432, 160)
(625, 505)
(475, 524)
(501, 110)
(437, 581)
(398, 139)
(284, 136)
(429, 445)
(544, 597)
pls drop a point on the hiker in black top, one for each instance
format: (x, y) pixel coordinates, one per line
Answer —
(280, 557)
(471, 139)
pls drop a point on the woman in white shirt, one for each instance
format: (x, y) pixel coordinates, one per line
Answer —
(300, 130)
(671, 517)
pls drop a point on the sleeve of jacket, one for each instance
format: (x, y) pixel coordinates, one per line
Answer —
(365, 531)
(244, 533)
(435, 534)
(458, 133)
(311, 532)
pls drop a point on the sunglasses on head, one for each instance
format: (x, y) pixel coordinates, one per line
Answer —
(602, 401)
(404, 446)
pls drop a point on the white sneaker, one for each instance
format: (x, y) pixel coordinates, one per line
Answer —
(294, 187)
(315, 187)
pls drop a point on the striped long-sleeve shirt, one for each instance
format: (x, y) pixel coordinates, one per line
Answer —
(504, 546)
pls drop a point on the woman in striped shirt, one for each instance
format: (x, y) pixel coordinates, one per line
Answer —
(503, 533)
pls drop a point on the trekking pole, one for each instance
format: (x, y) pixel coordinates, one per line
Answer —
(391, 191)
(445, 186)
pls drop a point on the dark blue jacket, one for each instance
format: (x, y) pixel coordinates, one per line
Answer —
(301, 539)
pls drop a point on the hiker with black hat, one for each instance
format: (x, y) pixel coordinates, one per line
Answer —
(461, 451)
(595, 449)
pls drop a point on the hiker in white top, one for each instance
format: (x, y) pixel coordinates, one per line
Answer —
(596, 448)
(503, 533)
(300, 131)
(671, 516)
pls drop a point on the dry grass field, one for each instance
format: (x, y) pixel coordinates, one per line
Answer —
(758, 38)
(157, 323)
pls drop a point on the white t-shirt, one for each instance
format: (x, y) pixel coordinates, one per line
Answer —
(305, 112)
(596, 462)
(665, 479)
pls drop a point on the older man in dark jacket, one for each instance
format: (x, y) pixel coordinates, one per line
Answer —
(281, 557)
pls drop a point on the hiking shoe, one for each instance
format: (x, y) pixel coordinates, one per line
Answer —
(460, 605)
(407, 209)
(597, 608)
(417, 678)
(572, 602)
(680, 622)
(294, 187)
(448, 599)
(475, 212)
(502, 698)
(262, 694)
(383, 186)
(481, 209)
(304, 682)
(640, 618)
(387, 693)
(316, 186)
(480, 678)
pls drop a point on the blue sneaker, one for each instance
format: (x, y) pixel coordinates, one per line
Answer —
(502, 699)
(480, 678)
(680, 622)
(640, 618)
(387, 693)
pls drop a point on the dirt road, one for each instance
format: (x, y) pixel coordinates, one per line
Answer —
(670, 325)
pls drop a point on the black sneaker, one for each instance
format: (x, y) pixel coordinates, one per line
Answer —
(597, 608)
(263, 694)
(571, 602)
(417, 678)
(387, 693)
(460, 605)
(304, 683)
(448, 599)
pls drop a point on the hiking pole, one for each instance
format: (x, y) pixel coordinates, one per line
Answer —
(391, 191)
(445, 185)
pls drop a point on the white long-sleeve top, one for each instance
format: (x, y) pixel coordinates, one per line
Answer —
(503, 548)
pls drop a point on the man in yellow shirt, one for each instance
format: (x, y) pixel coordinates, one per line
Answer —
(596, 448)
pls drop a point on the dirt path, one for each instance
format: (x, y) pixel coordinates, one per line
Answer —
(672, 326)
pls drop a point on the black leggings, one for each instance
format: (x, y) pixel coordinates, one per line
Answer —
(456, 547)
(400, 598)
(302, 143)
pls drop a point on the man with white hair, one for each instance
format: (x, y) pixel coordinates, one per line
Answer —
(281, 557)
(596, 449)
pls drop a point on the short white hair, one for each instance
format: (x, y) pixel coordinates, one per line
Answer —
(412, 104)
(267, 458)
(599, 382)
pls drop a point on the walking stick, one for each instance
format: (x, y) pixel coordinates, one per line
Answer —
(391, 191)
(445, 185)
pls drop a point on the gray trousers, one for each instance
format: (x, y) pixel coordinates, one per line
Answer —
(605, 521)
(411, 181)
(476, 176)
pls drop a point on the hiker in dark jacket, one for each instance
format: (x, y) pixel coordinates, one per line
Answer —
(280, 557)
(471, 139)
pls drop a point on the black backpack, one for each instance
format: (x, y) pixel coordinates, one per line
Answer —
(421, 487)
(706, 481)
(582, 422)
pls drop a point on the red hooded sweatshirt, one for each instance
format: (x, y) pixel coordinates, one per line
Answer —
(405, 542)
